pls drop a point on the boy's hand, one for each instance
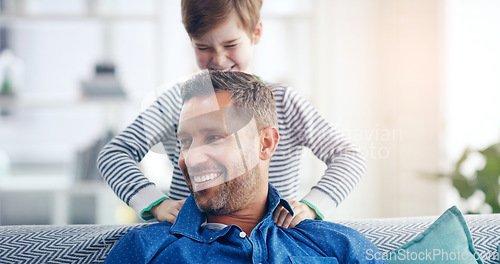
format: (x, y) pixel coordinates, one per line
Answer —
(167, 210)
(301, 211)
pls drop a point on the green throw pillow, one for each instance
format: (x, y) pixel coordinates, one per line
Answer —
(499, 250)
(447, 240)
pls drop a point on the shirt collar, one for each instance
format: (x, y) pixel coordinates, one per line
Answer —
(190, 220)
(274, 199)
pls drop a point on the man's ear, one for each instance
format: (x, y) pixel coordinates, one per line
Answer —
(269, 138)
(257, 34)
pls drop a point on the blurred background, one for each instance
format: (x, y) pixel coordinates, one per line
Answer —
(414, 83)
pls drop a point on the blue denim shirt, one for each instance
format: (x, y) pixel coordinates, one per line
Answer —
(186, 241)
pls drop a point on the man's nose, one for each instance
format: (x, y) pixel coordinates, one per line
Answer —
(195, 155)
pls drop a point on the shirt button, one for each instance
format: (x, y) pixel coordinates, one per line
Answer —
(242, 234)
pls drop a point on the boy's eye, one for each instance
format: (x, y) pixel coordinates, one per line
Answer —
(230, 46)
(203, 48)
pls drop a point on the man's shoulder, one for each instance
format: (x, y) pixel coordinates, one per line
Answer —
(321, 225)
(319, 229)
(324, 231)
(342, 241)
(156, 227)
(154, 231)
(141, 244)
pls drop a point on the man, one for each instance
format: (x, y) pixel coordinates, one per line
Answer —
(227, 133)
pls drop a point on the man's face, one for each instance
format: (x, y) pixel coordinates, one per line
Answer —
(218, 159)
(227, 47)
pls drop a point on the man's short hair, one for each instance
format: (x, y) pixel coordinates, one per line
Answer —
(202, 16)
(246, 90)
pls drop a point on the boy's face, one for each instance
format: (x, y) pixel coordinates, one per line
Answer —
(227, 47)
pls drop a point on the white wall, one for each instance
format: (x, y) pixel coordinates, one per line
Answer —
(377, 79)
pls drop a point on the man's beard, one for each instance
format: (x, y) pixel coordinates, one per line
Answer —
(228, 197)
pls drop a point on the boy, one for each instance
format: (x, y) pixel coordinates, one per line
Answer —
(223, 34)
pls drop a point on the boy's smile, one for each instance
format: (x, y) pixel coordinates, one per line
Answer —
(227, 47)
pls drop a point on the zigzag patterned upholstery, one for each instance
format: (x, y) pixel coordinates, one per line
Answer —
(91, 243)
(59, 244)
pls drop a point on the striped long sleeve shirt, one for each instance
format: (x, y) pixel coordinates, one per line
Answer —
(299, 125)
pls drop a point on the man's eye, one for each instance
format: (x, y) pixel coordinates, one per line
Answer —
(185, 143)
(214, 138)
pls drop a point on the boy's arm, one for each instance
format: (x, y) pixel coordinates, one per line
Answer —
(345, 163)
(118, 160)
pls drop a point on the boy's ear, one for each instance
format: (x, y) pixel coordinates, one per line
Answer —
(269, 138)
(257, 34)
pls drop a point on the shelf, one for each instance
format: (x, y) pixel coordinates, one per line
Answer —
(85, 203)
(43, 132)
(44, 102)
(35, 183)
(57, 17)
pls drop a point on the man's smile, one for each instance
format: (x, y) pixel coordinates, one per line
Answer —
(201, 178)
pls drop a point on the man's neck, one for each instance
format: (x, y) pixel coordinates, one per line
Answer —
(246, 218)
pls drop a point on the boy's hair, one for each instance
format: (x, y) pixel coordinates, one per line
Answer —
(247, 92)
(201, 16)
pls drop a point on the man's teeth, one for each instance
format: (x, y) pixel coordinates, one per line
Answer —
(206, 177)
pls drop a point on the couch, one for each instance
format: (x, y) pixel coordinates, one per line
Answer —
(91, 243)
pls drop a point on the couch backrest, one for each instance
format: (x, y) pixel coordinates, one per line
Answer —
(59, 244)
(91, 243)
